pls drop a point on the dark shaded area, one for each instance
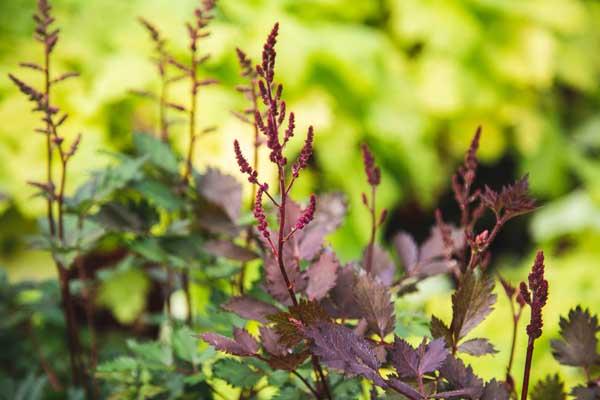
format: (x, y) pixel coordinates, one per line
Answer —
(513, 240)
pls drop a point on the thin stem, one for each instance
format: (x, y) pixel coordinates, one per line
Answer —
(164, 132)
(515, 320)
(190, 156)
(280, 238)
(307, 384)
(89, 312)
(188, 296)
(77, 366)
(192, 115)
(321, 376)
(420, 383)
(527, 371)
(369, 260)
(69, 315)
(47, 86)
(275, 203)
(61, 196)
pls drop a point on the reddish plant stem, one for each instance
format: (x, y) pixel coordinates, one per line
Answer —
(188, 296)
(47, 85)
(88, 296)
(515, 319)
(420, 383)
(321, 376)
(189, 159)
(72, 338)
(61, 196)
(290, 287)
(164, 129)
(280, 238)
(527, 371)
(370, 249)
(192, 115)
(77, 365)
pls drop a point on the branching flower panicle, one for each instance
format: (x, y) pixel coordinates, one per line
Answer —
(269, 123)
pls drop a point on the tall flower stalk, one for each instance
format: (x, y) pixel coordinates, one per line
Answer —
(197, 29)
(54, 188)
(271, 125)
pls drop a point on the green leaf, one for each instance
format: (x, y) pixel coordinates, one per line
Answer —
(129, 216)
(31, 388)
(185, 345)
(159, 194)
(125, 294)
(150, 249)
(153, 354)
(290, 393)
(103, 183)
(119, 364)
(159, 153)
(235, 373)
(345, 387)
(278, 378)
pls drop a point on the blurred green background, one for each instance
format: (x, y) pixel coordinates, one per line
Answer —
(413, 78)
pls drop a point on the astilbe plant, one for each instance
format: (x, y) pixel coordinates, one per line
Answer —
(193, 187)
(342, 316)
(324, 328)
(284, 279)
(53, 188)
